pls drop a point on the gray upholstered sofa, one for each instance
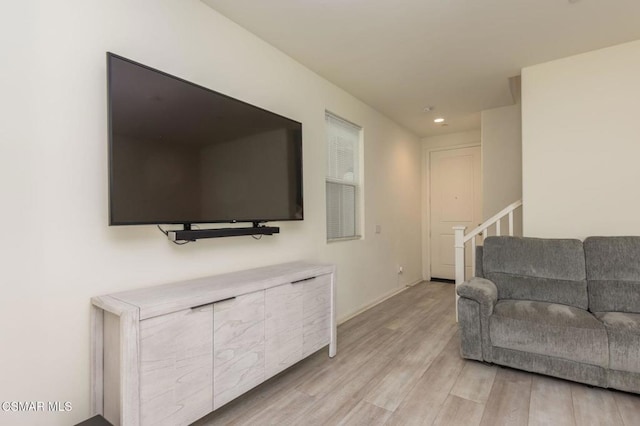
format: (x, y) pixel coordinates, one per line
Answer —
(558, 307)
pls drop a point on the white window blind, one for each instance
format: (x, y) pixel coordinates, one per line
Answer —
(342, 186)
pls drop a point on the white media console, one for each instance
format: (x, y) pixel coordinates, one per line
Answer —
(170, 354)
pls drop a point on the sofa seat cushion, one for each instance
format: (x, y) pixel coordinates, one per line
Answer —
(624, 340)
(544, 270)
(549, 329)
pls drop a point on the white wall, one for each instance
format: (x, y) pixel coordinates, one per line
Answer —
(502, 162)
(58, 250)
(581, 144)
(429, 144)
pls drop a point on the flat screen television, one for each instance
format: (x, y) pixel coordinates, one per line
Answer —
(180, 153)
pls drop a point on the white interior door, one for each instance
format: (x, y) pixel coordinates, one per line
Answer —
(455, 199)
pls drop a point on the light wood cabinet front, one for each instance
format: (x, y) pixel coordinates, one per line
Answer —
(316, 308)
(283, 327)
(239, 346)
(176, 367)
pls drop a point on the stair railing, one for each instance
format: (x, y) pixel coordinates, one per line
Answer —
(461, 239)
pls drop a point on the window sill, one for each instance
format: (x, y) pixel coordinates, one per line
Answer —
(335, 240)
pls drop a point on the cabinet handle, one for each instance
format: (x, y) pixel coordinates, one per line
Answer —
(303, 280)
(212, 303)
(202, 306)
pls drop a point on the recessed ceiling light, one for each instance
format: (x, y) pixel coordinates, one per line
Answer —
(439, 120)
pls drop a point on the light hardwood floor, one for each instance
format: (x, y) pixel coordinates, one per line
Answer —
(398, 364)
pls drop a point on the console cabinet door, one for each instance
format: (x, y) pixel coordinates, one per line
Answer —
(316, 326)
(176, 367)
(238, 344)
(283, 327)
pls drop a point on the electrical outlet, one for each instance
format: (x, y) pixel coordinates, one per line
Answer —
(400, 270)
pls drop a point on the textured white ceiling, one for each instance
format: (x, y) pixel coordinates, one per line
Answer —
(402, 55)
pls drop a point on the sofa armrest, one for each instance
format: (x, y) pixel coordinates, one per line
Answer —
(480, 290)
(478, 297)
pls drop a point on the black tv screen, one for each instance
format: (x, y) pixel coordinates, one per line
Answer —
(180, 153)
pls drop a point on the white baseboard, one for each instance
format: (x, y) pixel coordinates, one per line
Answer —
(377, 302)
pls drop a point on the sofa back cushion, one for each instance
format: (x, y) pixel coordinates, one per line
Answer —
(545, 270)
(613, 273)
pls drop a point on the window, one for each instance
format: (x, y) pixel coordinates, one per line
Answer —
(342, 183)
